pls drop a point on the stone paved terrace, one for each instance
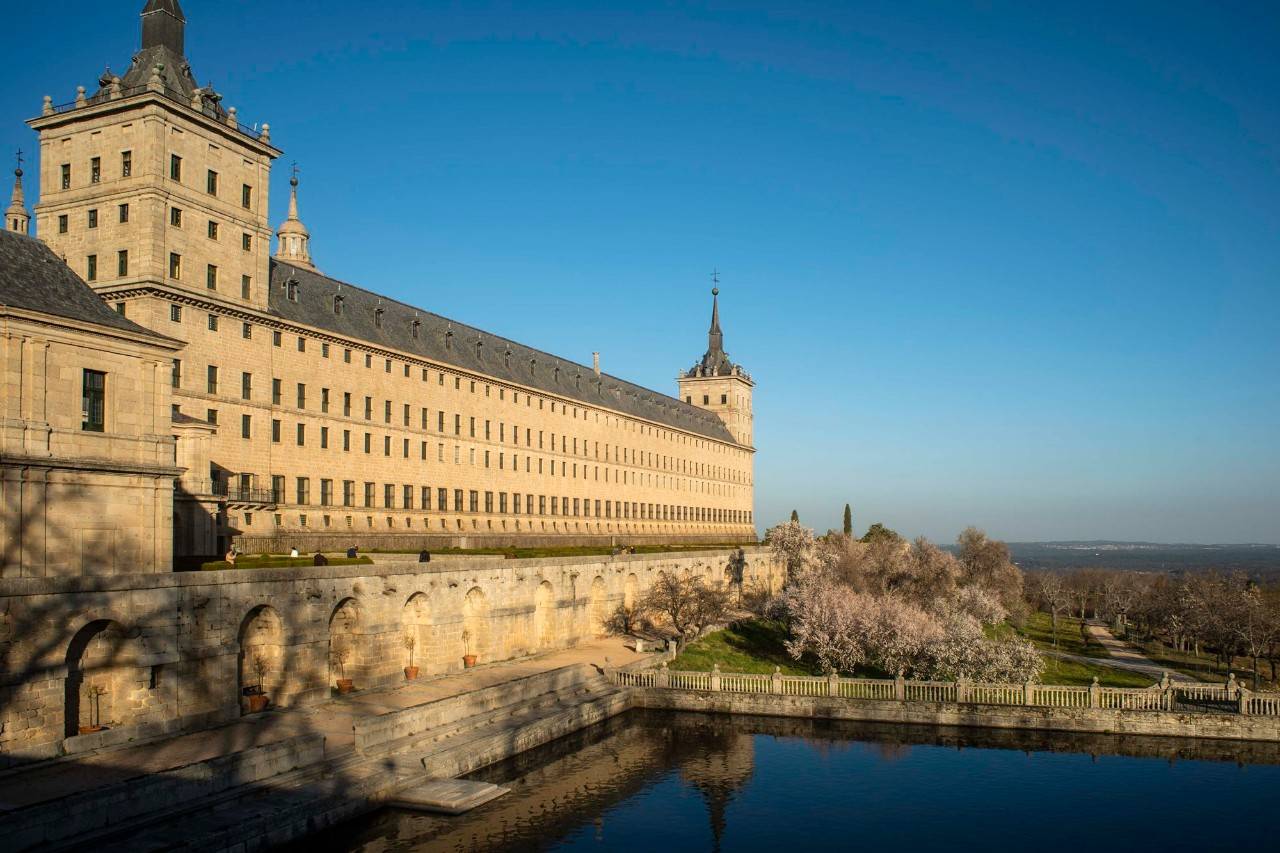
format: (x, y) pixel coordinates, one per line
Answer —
(334, 719)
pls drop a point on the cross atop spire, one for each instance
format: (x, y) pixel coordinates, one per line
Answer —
(293, 241)
(16, 217)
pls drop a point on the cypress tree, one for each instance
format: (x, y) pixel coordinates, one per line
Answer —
(795, 516)
(848, 521)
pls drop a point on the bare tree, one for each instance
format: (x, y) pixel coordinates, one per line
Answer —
(688, 603)
(1057, 599)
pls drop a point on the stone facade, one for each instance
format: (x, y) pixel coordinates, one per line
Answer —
(339, 412)
(146, 655)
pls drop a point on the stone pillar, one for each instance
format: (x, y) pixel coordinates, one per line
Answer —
(775, 680)
(1095, 694)
(1243, 705)
(664, 677)
(899, 687)
(1028, 692)
(962, 689)
(833, 684)
(715, 677)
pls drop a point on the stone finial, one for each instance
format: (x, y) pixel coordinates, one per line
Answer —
(81, 100)
(197, 98)
(47, 108)
(231, 117)
(115, 90)
(155, 82)
(265, 136)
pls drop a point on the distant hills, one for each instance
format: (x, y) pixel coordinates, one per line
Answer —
(1147, 556)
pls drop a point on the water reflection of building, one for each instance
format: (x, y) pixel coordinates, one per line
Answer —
(719, 770)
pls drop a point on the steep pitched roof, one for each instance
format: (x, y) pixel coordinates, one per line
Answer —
(445, 341)
(33, 278)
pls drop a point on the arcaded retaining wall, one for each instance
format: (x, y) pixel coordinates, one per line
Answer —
(1081, 720)
(160, 653)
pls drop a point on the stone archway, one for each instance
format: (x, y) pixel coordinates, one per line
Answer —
(104, 686)
(416, 630)
(630, 590)
(544, 617)
(346, 659)
(475, 625)
(260, 665)
(597, 609)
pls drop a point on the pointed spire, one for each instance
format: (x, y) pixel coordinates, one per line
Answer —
(293, 241)
(16, 218)
(715, 340)
(164, 25)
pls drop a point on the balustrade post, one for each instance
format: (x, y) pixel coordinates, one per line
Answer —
(775, 680)
(1028, 692)
(1244, 701)
(715, 677)
(664, 676)
(833, 684)
(609, 671)
(1232, 688)
(899, 687)
(962, 689)
(1095, 694)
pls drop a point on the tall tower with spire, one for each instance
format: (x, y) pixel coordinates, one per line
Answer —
(717, 384)
(16, 217)
(149, 184)
(293, 240)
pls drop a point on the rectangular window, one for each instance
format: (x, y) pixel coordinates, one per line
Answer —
(246, 426)
(368, 443)
(369, 494)
(93, 217)
(346, 440)
(246, 242)
(302, 435)
(175, 167)
(211, 415)
(324, 438)
(213, 322)
(175, 265)
(211, 277)
(211, 183)
(175, 217)
(324, 400)
(426, 497)
(246, 286)
(91, 268)
(246, 196)
(122, 262)
(368, 408)
(386, 445)
(488, 502)
(277, 490)
(213, 230)
(302, 344)
(348, 492)
(326, 492)
(95, 170)
(275, 430)
(175, 375)
(442, 499)
(346, 404)
(94, 401)
(386, 411)
(302, 396)
(275, 391)
(66, 176)
(457, 500)
(389, 496)
(213, 379)
(126, 163)
(276, 338)
(246, 331)
(62, 224)
(304, 491)
(123, 213)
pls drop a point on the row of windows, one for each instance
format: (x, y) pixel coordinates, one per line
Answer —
(327, 520)
(211, 180)
(398, 496)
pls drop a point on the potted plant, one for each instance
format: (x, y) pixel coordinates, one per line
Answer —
(410, 671)
(258, 699)
(95, 692)
(340, 657)
(468, 659)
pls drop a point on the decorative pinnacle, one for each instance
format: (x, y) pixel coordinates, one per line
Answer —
(18, 157)
(715, 282)
(293, 181)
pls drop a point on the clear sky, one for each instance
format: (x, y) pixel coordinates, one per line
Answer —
(1008, 264)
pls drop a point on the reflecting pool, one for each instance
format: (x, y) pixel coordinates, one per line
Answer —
(668, 782)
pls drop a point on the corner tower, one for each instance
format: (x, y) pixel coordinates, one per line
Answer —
(151, 182)
(717, 384)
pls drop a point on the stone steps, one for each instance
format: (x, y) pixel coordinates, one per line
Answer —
(290, 805)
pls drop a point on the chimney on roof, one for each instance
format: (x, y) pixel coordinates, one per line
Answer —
(595, 363)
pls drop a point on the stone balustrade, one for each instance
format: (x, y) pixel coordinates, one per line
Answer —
(1166, 695)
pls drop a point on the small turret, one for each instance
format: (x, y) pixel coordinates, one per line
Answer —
(293, 241)
(16, 218)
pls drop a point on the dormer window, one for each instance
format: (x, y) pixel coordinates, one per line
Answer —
(337, 305)
(377, 317)
(291, 290)
(448, 339)
(415, 328)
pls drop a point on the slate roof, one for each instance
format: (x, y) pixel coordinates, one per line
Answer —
(445, 341)
(33, 278)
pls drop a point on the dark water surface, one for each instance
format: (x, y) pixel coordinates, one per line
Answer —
(652, 781)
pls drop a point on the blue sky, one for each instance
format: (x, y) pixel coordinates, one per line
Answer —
(988, 263)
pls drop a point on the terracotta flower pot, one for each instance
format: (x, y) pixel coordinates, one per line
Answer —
(88, 730)
(468, 661)
(345, 685)
(258, 702)
(410, 673)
